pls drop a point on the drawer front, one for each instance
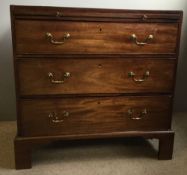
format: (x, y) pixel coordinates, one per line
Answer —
(72, 37)
(81, 76)
(71, 116)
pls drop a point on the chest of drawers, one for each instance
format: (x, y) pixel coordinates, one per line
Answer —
(93, 73)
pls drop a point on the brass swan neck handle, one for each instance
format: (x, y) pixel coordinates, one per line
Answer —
(142, 114)
(55, 119)
(145, 76)
(146, 41)
(51, 39)
(53, 81)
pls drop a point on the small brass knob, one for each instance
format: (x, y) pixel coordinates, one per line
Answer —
(150, 37)
(144, 18)
(48, 35)
(67, 74)
(66, 35)
(65, 114)
(144, 111)
(133, 36)
(59, 14)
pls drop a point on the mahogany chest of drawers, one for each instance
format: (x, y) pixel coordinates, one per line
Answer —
(93, 73)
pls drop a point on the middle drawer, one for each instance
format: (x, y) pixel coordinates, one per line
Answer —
(81, 76)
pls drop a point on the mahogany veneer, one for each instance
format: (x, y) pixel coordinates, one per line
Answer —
(98, 76)
(93, 74)
(93, 37)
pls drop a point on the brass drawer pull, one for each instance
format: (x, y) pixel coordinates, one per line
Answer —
(54, 117)
(141, 115)
(147, 40)
(51, 39)
(65, 76)
(145, 76)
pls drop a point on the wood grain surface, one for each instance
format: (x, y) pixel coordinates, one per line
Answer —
(94, 37)
(94, 115)
(98, 95)
(95, 76)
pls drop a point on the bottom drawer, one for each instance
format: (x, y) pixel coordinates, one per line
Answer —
(94, 115)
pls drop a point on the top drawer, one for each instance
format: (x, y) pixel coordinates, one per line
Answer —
(83, 37)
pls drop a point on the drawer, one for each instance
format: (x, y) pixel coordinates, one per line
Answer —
(72, 37)
(87, 76)
(94, 115)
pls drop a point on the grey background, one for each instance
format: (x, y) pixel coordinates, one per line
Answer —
(7, 89)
